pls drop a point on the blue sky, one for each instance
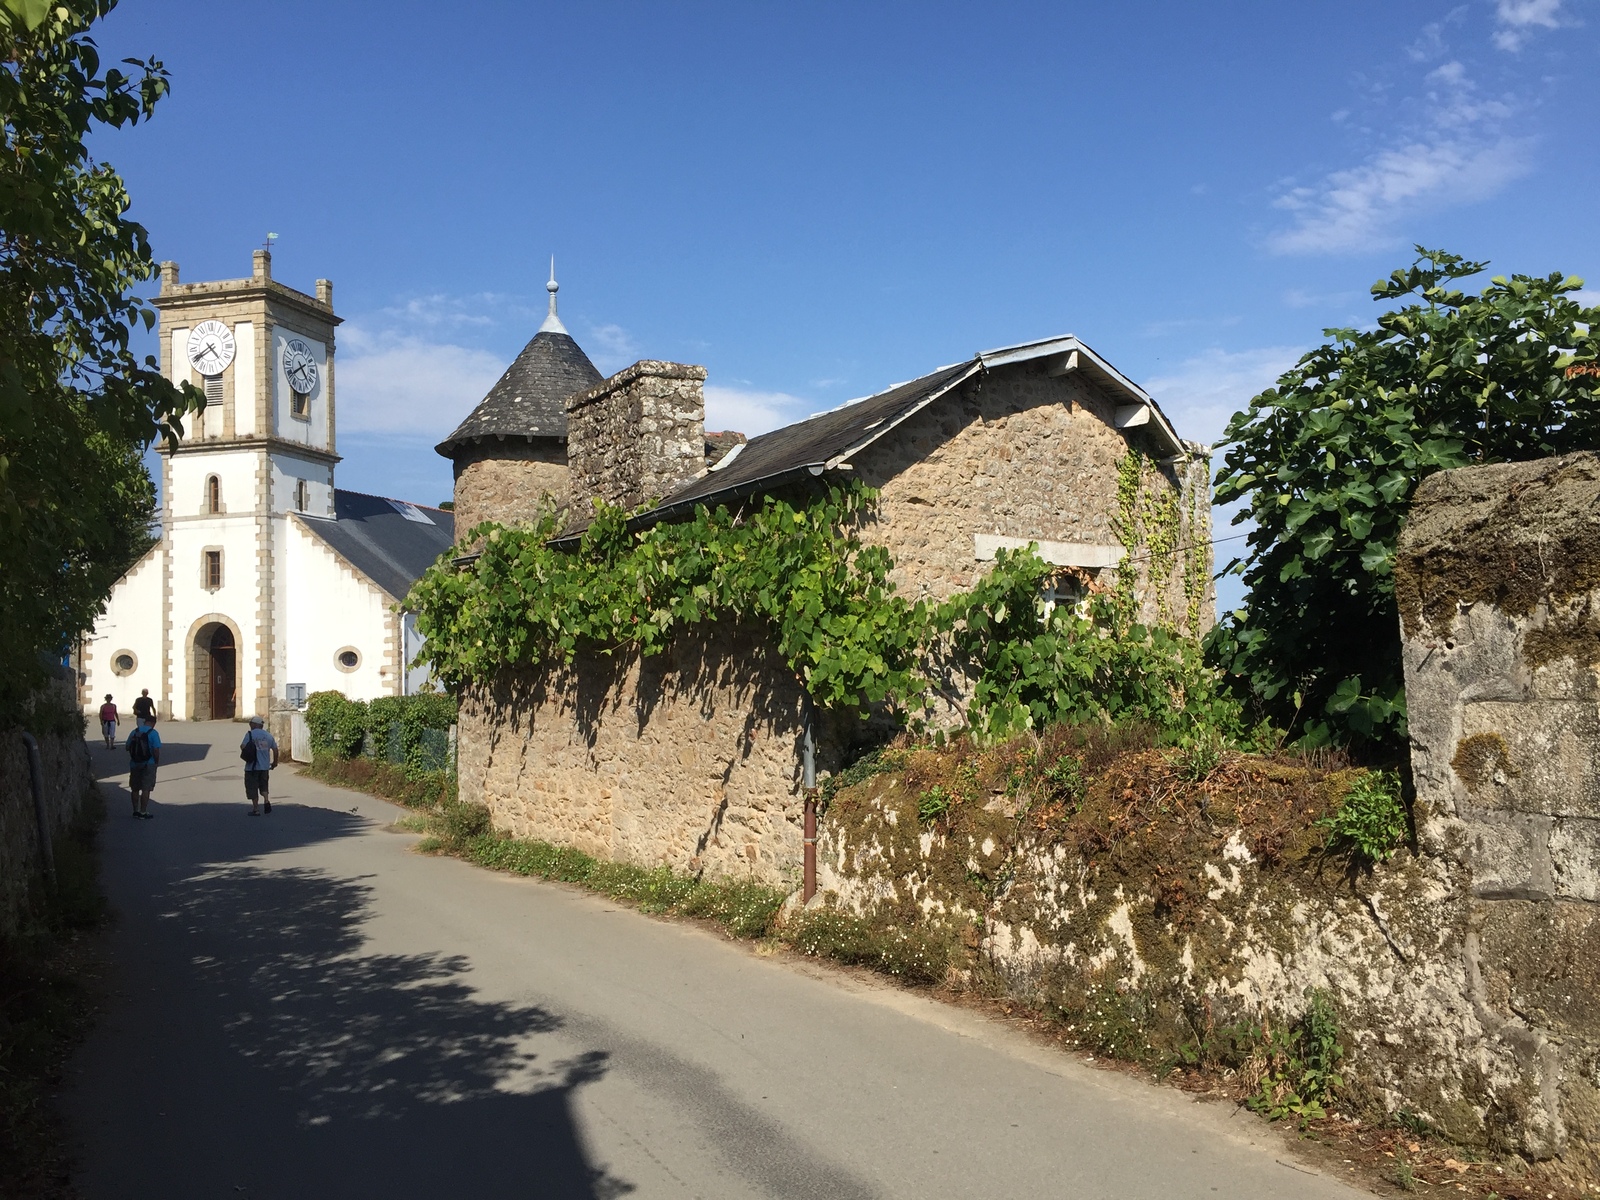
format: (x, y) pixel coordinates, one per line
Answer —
(817, 200)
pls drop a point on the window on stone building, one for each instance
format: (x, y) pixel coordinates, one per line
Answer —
(302, 495)
(213, 390)
(347, 659)
(299, 404)
(213, 494)
(212, 569)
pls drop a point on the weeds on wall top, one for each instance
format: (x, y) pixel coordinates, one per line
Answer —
(805, 574)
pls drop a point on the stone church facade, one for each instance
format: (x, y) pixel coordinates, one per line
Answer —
(692, 758)
(267, 581)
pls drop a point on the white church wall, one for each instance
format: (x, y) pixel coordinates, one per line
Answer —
(244, 375)
(288, 470)
(332, 609)
(236, 600)
(235, 476)
(132, 626)
(312, 429)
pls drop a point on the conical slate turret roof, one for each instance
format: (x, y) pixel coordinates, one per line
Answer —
(530, 401)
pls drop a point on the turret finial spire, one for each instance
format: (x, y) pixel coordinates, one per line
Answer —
(552, 323)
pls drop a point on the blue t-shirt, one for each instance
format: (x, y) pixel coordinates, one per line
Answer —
(265, 745)
(155, 743)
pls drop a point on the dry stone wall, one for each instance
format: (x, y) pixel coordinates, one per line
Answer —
(688, 759)
(636, 436)
(1498, 577)
(67, 780)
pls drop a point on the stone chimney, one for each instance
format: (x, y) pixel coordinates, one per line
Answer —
(325, 291)
(636, 436)
(169, 276)
(260, 265)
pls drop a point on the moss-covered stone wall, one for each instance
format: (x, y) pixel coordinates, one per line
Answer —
(1498, 576)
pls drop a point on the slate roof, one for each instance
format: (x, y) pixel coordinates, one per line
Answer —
(377, 539)
(828, 440)
(530, 400)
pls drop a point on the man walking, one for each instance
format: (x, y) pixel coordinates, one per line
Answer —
(108, 721)
(144, 753)
(144, 706)
(260, 753)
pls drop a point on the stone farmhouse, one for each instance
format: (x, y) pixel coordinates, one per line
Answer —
(692, 758)
(267, 581)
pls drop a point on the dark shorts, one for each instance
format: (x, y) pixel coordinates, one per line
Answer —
(257, 783)
(142, 777)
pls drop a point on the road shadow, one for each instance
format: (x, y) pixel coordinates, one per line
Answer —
(294, 1064)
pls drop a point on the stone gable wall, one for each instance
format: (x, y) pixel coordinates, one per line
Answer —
(636, 436)
(1019, 453)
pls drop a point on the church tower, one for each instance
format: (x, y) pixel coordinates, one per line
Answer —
(262, 449)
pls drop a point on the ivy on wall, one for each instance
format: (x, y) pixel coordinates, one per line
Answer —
(1155, 526)
(805, 574)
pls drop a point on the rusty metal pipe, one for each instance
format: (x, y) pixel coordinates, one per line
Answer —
(808, 780)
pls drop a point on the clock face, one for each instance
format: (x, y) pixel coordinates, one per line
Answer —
(300, 365)
(210, 347)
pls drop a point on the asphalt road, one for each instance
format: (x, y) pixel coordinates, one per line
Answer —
(302, 1007)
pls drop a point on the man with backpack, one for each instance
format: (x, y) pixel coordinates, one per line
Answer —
(144, 753)
(260, 753)
(144, 706)
(108, 721)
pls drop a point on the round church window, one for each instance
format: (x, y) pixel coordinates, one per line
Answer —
(123, 662)
(348, 659)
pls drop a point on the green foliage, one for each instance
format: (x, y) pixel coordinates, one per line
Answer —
(408, 730)
(77, 406)
(802, 572)
(1065, 779)
(1370, 821)
(412, 730)
(1036, 669)
(1301, 1064)
(1326, 461)
(875, 762)
(934, 803)
(1200, 753)
(337, 725)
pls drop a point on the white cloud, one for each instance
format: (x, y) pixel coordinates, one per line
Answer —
(610, 347)
(1207, 389)
(1454, 149)
(1356, 209)
(1518, 19)
(752, 412)
(407, 386)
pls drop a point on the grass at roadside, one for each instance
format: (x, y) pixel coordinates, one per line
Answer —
(48, 998)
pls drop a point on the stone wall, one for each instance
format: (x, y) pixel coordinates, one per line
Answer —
(1019, 453)
(67, 780)
(689, 759)
(514, 482)
(636, 436)
(1498, 577)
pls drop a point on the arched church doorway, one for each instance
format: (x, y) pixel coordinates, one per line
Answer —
(215, 673)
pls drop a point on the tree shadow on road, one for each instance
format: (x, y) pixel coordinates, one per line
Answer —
(298, 1065)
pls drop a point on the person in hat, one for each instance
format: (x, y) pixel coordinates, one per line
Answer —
(108, 721)
(260, 753)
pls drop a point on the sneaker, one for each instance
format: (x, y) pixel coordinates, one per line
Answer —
(252, 813)
(147, 816)
(267, 807)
